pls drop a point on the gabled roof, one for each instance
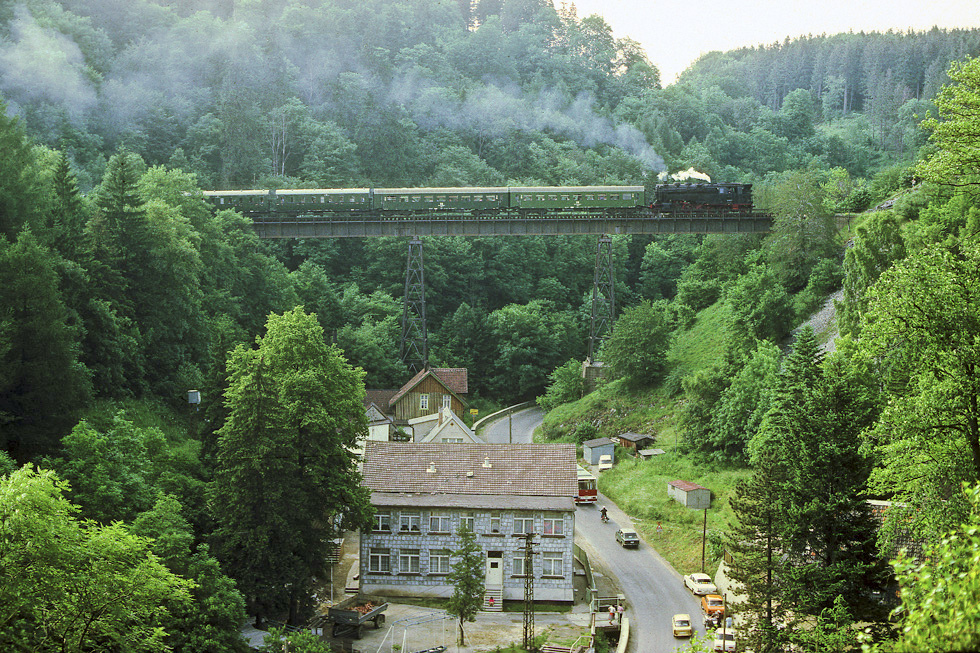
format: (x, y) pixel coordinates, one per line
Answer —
(543, 470)
(451, 424)
(452, 378)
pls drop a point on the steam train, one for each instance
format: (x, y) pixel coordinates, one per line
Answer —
(533, 200)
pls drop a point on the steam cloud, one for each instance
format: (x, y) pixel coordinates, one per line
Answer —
(178, 69)
(38, 63)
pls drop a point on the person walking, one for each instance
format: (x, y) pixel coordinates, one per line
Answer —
(612, 614)
(619, 613)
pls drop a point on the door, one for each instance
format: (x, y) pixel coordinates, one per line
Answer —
(495, 568)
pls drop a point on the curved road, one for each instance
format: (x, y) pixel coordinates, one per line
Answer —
(654, 591)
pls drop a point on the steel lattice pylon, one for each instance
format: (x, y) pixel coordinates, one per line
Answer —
(528, 591)
(603, 297)
(415, 342)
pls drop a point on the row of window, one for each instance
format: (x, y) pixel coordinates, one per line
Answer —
(447, 401)
(409, 561)
(405, 199)
(552, 197)
(324, 199)
(442, 522)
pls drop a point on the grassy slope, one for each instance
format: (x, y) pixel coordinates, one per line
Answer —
(640, 487)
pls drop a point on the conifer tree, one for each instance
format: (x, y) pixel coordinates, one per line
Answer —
(468, 581)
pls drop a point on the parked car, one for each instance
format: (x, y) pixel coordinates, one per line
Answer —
(628, 538)
(681, 624)
(700, 584)
(712, 605)
(724, 640)
(605, 462)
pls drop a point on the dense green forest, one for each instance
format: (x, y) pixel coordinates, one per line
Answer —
(120, 290)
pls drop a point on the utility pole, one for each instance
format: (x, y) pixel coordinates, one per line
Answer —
(704, 538)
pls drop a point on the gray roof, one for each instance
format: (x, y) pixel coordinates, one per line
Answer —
(635, 437)
(474, 501)
(502, 470)
(598, 442)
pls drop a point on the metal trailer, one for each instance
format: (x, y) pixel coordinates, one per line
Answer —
(348, 619)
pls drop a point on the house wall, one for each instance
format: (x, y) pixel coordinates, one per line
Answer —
(406, 583)
(409, 406)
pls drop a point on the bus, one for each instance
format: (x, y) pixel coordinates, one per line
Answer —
(587, 492)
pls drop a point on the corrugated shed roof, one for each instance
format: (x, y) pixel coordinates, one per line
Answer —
(598, 442)
(635, 437)
(544, 470)
(687, 486)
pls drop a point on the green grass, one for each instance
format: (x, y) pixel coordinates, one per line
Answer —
(142, 413)
(640, 487)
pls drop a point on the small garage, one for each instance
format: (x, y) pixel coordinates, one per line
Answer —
(690, 494)
(592, 449)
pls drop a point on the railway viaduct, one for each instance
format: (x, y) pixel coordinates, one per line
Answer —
(597, 222)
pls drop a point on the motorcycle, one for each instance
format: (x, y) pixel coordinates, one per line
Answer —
(604, 517)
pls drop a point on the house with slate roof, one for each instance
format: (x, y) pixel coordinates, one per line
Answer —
(442, 426)
(424, 492)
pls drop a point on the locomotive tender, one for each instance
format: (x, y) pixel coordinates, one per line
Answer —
(531, 200)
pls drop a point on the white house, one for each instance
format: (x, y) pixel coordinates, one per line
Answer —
(690, 494)
(443, 426)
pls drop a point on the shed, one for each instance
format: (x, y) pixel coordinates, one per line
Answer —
(690, 494)
(636, 441)
(592, 449)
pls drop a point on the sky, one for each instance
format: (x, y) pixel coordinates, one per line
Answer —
(674, 35)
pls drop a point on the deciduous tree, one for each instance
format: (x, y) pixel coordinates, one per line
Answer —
(286, 481)
(467, 579)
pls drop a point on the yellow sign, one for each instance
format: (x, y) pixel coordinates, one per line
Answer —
(474, 411)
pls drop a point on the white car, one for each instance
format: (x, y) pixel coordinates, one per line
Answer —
(724, 640)
(605, 462)
(700, 584)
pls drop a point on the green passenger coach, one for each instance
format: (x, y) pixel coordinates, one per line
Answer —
(573, 197)
(437, 199)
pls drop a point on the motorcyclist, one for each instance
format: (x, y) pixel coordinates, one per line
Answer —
(603, 515)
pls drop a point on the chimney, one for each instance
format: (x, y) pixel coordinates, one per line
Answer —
(486, 463)
(431, 469)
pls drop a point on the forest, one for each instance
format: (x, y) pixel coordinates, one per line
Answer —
(120, 290)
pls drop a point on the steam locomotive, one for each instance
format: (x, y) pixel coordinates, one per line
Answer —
(533, 200)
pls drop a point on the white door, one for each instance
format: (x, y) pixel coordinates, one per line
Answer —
(495, 568)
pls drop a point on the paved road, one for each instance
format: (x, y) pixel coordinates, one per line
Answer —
(517, 429)
(654, 591)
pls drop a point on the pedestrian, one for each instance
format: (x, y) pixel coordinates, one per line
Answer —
(612, 613)
(619, 612)
(491, 602)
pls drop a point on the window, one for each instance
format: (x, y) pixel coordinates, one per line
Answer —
(494, 522)
(468, 520)
(447, 401)
(518, 565)
(439, 562)
(408, 561)
(554, 526)
(453, 440)
(382, 521)
(423, 402)
(551, 564)
(380, 561)
(523, 523)
(439, 522)
(410, 521)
